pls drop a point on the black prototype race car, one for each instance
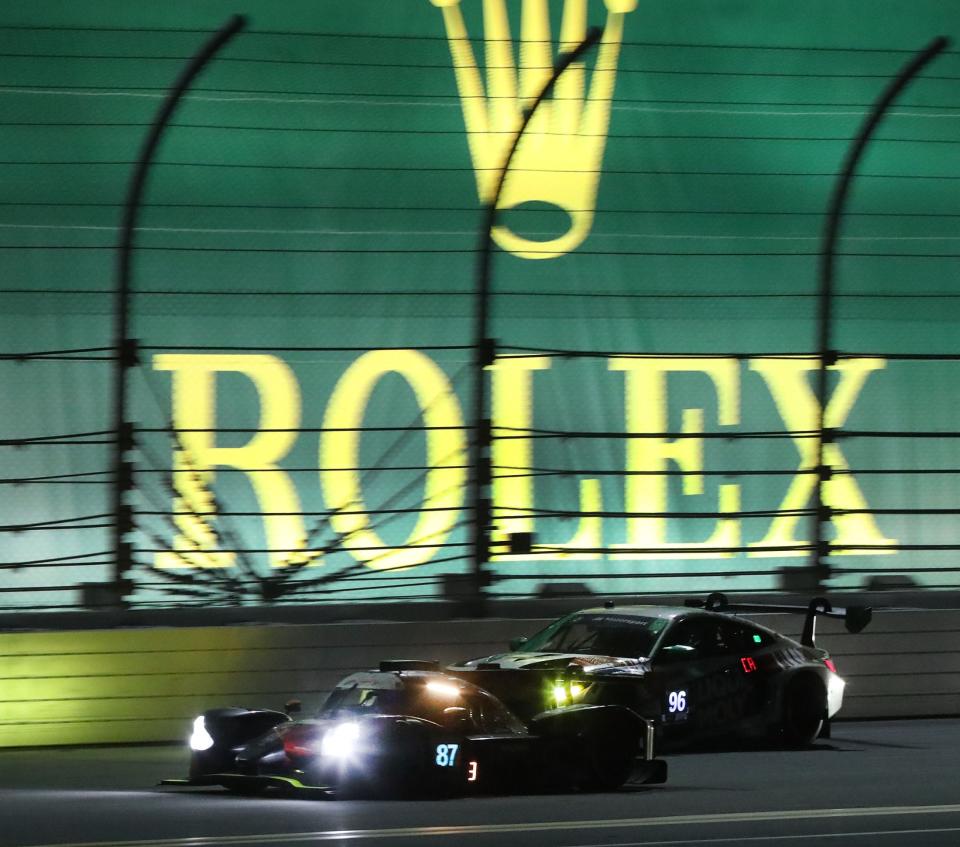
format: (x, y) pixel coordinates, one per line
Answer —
(699, 671)
(411, 729)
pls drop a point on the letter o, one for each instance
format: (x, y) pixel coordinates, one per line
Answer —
(446, 450)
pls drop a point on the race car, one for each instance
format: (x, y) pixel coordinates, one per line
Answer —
(699, 670)
(410, 729)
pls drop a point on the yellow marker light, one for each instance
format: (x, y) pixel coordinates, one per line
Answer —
(443, 689)
(576, 689)
(560, 694)
(200, 739)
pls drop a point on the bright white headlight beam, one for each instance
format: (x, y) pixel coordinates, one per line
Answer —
(200, 739)
(340, 741)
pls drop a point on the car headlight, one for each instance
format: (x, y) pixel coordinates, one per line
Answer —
(200, 739)
(341, 741)
(565, 693)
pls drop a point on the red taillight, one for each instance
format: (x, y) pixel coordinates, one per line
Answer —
(300, 742)
(829, 663)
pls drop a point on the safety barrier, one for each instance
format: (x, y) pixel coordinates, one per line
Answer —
(137, 685)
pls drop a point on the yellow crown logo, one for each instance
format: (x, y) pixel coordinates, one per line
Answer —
(559, 157)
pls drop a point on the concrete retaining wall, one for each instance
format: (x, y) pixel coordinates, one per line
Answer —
(132, 685)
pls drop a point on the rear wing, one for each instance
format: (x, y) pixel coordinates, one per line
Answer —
(855, 618)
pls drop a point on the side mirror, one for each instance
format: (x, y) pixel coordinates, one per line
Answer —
(675, 653)
(292, 707)
(518, 642)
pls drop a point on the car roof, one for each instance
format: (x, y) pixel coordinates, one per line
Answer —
(400, 679)
(667, 613)
(662, 612)
(671, 613)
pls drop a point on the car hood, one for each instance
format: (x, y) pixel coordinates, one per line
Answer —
(518, 660)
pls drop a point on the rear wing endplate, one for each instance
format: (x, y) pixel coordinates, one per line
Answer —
(855, 618)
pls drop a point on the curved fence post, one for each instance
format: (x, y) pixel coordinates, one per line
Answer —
(484, 348)
(827, 356)
(125, 353)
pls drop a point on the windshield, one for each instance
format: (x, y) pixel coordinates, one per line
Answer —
(379, 701)
(476, 709)
(597, 634)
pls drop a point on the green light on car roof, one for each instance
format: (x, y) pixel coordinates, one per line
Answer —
(757, 638)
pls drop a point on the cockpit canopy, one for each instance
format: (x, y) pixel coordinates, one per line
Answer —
(436, 697)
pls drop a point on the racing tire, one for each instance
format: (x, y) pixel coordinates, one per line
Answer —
(609, 764)
(804, 710)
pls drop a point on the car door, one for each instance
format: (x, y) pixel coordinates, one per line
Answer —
(705, 688)
(751, 647)
(498, 751)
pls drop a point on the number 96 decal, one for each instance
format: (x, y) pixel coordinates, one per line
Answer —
(677, 704)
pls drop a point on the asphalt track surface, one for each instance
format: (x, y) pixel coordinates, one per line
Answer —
(873, 783)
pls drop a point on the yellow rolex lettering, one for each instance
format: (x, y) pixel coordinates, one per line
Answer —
(194, 391)
(648, 458)
(513, 457)
(446, 457)
(587, 540)
(788, 381)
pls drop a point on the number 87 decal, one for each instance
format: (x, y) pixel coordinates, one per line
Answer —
(677, 702)
(446, 755)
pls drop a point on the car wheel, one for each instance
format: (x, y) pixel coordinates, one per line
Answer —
(804, 707)
(609, 763)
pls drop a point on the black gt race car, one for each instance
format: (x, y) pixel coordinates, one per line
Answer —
(410, 729)
(699, 671)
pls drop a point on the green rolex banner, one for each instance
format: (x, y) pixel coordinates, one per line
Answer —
(304, 296)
